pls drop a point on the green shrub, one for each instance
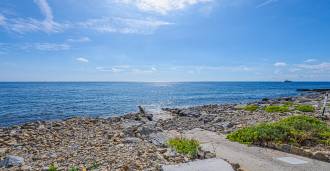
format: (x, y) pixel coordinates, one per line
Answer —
(52, 167)
(297, 130)
(271, 109)
(288, 103)
(251, 108)
(305, 108)
(184, 146)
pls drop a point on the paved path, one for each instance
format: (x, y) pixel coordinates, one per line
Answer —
(255, 158)
(201, 165)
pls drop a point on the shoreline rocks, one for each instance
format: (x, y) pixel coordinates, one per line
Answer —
(134, 141)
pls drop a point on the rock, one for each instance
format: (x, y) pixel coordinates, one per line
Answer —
(3, 150)
(189, 113)
(159, 138)
(321, 156)
(130, 140)
(130, 127)
(147, 129)
(10, 161)
(226, 124)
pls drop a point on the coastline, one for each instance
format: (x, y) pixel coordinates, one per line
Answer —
(137, 140)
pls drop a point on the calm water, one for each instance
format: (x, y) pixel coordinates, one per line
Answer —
(24, 102)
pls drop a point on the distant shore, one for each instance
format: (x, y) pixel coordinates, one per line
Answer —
(137, 140)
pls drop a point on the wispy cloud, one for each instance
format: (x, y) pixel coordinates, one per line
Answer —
(79, 40)
(323, 67)
(265, 3)
(310, 60)
(2, 19)
(128, 69)
(23, 25)
(82, 60)
(280, 64)
(46, 46)
(123, 25)
(161, 6)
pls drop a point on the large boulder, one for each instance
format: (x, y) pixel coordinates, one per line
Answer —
(11, 161)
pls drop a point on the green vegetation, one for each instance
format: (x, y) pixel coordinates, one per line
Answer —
(94, 166)
(73, 168)
(251, 108)
(271, 108)
(295, 130)
(305, 108)
(185, 146)
(288, 103)
(52, 167)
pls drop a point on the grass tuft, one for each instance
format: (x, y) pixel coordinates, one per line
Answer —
(184, 146)
(272, 109)
(296, 130)
(52, 167)
(251, 108)
(305, 108)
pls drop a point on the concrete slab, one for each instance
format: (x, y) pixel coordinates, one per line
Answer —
(201, 165)
(292, 160)
(252, 158)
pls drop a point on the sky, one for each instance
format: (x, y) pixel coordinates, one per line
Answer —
(164, 40)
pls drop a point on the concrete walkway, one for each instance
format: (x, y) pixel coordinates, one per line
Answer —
(201, 165)
(253, 158)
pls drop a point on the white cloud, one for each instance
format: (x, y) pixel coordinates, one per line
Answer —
(128, 69)
(46, 46)
(82, 60)
(265, 3)
(161, 6)
(22, 25)
(79, 40)
(280, 64)
(2, 20)
(315, 67)
(310, 60)
(124, 25)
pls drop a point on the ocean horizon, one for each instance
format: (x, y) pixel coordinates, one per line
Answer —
(23, 102)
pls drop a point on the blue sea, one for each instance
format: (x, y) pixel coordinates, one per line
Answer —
(26, 102)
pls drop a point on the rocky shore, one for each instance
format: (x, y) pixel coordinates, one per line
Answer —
(135, 141)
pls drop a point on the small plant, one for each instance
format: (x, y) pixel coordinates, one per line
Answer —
(288, 103)
(73, 168)
(305, 108)
(251, 108)
(94, 166)
(296, 130)
(185, 146)
(52, 167)
(271, 108)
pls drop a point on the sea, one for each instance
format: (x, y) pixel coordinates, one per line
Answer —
(22, 102)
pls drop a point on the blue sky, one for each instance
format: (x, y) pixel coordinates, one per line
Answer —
(164, 40)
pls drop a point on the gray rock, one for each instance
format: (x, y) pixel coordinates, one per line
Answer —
(159, 138)
(131, 140)
(147, 129)
(189, 113)
(10, 161)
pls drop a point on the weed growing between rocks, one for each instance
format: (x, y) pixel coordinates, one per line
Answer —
(296, 130)
(305, 108)
(185, 146)
(272, 109)
(52, 167)
(250, 108)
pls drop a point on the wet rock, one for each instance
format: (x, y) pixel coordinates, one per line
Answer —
(10, 161)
